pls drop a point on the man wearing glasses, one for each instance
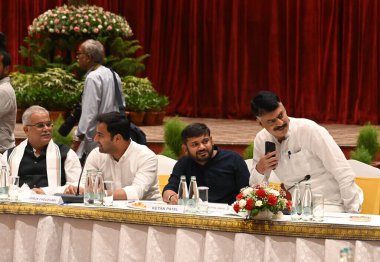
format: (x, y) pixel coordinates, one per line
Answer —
(46, 167)
(302, 148)
(224, 172)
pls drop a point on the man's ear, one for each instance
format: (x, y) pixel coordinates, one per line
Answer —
(26, 129)
(184, 149)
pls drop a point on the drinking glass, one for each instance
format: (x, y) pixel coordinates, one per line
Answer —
(13, 190)
(108, 196)
(318, 207)
(203, 199)
(89, 187)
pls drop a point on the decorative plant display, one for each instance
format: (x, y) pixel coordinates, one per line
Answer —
(172, 136)
(367, 144)
(55, 89)
(260, 198)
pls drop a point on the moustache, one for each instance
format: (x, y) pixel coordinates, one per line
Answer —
(281, 127)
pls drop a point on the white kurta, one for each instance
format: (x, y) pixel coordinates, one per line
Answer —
(310, 149)
(135, 172)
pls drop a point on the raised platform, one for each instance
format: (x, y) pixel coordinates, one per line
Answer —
(236, 134)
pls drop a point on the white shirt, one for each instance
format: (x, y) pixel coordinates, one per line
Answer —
(8, 108)
(310, 149)
(135, 172)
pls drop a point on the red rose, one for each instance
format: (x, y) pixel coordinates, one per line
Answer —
(236, 207)
(272, 200)
(249, 205)
(261, 193)
(239, 196)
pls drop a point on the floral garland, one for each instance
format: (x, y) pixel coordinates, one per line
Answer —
(260, 198)
(81, 20)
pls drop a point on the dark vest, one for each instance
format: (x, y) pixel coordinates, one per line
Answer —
(32, 169)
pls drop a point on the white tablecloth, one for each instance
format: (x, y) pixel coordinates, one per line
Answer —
(47, 238)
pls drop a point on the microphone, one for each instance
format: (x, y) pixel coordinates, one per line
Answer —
(69, 198)
(306, 178)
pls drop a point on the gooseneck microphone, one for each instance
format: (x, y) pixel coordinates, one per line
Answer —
(306, 178)
(69, 198)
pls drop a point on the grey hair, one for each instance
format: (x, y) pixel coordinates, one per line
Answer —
(31, 110)
(95, 50)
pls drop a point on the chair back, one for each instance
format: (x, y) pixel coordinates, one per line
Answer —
(164, 169)
(371, 192)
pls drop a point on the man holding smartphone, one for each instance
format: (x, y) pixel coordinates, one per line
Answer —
(302, 147)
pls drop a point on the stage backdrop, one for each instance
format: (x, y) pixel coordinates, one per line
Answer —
(210, 57)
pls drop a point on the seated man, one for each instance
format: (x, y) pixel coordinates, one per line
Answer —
(224, 172)
(43, 165)
(302, 148)
(131, 166)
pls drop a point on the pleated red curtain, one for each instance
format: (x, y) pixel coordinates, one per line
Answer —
(210, 57)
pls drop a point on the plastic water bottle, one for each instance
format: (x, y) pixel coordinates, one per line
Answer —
(296, 203)
(182, 192)
(192, 202)
(307, 204)
(3, 183)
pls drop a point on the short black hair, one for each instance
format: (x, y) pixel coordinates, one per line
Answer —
(117, 123)
(264, 102)
(6, 58)
(194, 130)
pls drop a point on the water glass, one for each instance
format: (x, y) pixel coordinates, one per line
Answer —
(89, 187)
(14, 189)
(108, 196)
(318, 207)
(203, 199)
(98, 189)
(3, 183)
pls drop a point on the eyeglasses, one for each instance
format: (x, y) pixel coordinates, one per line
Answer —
(42, 125)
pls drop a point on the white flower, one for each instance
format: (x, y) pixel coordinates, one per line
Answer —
(274, 192)
(242, 203)
(247, 191)
(259, 203)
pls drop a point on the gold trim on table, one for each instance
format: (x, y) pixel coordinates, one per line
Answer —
(278, 228)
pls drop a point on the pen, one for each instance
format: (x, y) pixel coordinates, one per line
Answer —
(289, 153)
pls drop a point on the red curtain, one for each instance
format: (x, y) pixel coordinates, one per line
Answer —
(210, 57)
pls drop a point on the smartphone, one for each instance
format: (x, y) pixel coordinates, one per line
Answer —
(269, 147)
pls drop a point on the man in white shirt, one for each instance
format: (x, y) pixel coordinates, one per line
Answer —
(8, 104)
(131, 166)
(302, 148)
(46, 167)
(98, 95)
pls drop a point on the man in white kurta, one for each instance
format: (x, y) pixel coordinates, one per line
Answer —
(131, 166)
(46, 167)
(302, 148)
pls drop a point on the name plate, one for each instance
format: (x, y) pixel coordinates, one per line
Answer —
(165, 208)
(45, 199)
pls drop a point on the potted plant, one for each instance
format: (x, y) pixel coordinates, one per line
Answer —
(155, 108)
(367, 145)
(173, 140)
(56, 90)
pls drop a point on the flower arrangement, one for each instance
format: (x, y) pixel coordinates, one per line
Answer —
(260, 198)
(80, 20)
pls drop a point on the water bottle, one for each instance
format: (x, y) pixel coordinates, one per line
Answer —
(89, 187)
(307, 204)
(296, 203)
(3, 183)
(182, 192)
(192, 202)
(98, 189)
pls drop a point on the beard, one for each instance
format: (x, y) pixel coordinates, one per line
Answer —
(204, 155)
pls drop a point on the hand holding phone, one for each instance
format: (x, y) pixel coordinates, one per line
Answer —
(269, 147)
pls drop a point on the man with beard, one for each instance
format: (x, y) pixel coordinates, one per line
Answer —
(46, 167)
(302, 148)
(224, 172)
(132, 167)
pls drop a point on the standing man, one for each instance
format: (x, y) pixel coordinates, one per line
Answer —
(224, 172)
(131, 166)
(302, 148)
(8, 106)
(40, 163)
(98, 94)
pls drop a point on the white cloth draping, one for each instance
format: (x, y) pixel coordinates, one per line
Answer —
(47, 238)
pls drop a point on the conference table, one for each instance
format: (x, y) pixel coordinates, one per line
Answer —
(47, 232)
